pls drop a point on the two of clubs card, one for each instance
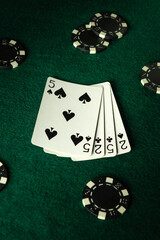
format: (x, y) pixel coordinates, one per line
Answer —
(78, 121)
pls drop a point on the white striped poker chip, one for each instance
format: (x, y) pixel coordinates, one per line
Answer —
(3, 176)
(105, 197)
(108, 25)
(85, 40)
(12, 53)
(150, 77)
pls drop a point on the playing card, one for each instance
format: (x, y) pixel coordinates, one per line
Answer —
(67, 118)
(98, 146)
(123, 145)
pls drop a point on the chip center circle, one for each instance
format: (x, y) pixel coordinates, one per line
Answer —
(154, 76)
(7, 52)
(89, 38)
(108, 24)
(106, 197)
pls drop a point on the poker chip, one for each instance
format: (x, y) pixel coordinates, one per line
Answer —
(3, 176)
(12, 53)
(150, 77)
(108, 25)
(84, 39)
(105, 198)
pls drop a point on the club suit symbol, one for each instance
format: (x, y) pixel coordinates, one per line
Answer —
(76, 139)
(68, 115)
(60, 93)
(98, 140)
(84, 98)
(109, 139)
(50, 133)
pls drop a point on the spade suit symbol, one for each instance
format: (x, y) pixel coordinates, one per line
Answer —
(60, 93)
(84, 98)
(68, 115)
(50, 133)
(120, 135)
(88, 138)
(76, 139)
(49, 91)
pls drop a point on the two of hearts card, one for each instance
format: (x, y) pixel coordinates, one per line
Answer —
(80, 121)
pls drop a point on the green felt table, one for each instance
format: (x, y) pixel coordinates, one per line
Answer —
(42, 200)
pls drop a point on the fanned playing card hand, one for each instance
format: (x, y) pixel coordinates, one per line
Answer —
(80, 122)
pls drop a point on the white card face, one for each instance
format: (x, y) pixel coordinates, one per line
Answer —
(98, 146)
(123, 145)
(67, 117)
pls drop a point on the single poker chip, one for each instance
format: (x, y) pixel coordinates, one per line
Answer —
(12, 53)
(105, 197)
(108, 25)
(3, 176)
(150, 76)
(84, 39)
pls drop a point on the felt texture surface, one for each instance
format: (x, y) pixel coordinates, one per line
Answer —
(42, 200)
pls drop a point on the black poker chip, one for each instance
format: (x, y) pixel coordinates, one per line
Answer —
(105, 197)
(84, 39)
(12, 53)
(3, 176)
(150, 76)
(108, 25)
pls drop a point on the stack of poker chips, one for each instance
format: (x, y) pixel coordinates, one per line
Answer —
(98, 34)
(150, 77)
